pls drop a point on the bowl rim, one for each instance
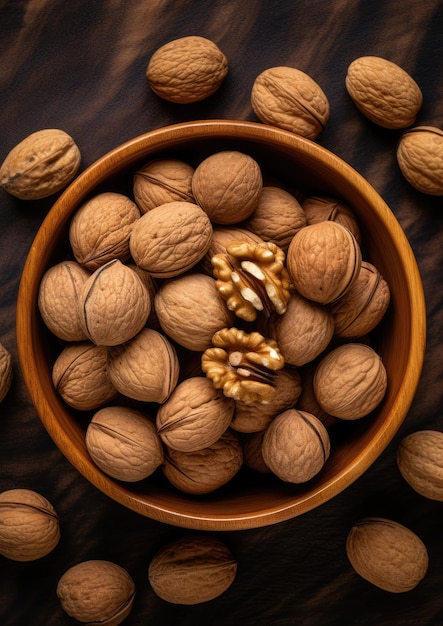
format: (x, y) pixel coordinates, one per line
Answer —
(130, 152)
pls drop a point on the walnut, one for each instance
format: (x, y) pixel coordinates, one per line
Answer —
(387, 554)
(288, 98)
(253, 454)
(170, 239)
(222, 236)
(307, 400)
(145, 368)
(420, 158)
(192, 570)
(188, 69)
(277, 218)
(323, 261)
(243, 364)
(162, 181)
(96, 592)
(363, 306)
(6, 373)
(190, 310)
(384, 92)
(327, 208)
(203, 471)
(80, 376)
(420, 461)
(195, 415)
(124, 443)
(100, 229)
(252, 277)
(114, 304)
(29, 525)
(227, 185)
(58, 299)
(40, 165)
(350, 381)
(295, 446)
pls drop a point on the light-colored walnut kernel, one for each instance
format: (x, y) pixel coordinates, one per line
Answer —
(124, 443)
(6, 373)
(192, 570)
(190, 310)
(243, 364)
(387, 554)
(29, 525)
(420, 461)
(203, 471)
(162, 181)
(327, 208)
(222, 236)
(420, 158)
(350, 381)
(96, 592)
(227, 185)
(295, 446)
(99, 230)
(323, 261)
(188, 69)
(170, 239)
(288, 98)
(40, 165)
(194, 416)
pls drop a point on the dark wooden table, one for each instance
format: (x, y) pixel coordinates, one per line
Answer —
(80, 66)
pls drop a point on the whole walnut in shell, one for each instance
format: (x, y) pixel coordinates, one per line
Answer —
(190, 310)
(162, 181)
(420, 461)
(420, 158)
(58, 299)
(188, 69)
(295, 446)
(29, 525)
(350, 381)
(5, 371)
(96, 592)
(307, 401)
(387, 554)
(124, 443)
(227, 185)
(100, 229)
(288, 98)
(327, 208)
(192, 570)
(253, 452)
(195, 415)
(205, 470)
(170, 239)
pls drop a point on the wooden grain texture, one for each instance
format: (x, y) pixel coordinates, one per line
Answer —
(81, 67)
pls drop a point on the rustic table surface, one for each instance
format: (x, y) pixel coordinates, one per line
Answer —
(80, 66)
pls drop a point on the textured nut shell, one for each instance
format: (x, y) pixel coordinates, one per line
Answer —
(161, 181)
(29, 526)
(323, 261)
(350, 381)
(80, 376)
(5, 372)
(145, 368)
(190, 310)
(307, 400)
(96, 592)
(363, 305)
(100, 229)
(420, 158)
(192, 570)
(204, 471)
(186, 70)
(420, 461)
(114, 304)
(384, 92)
(277, 218)
(124, 443)
(58, 299)
(288, 98)
(227, 185)
(295, 446)
(387, 554)
(252, 452)
(170, 239)
(195, 415)
(222, 236)
(326, 208)
(40, 165)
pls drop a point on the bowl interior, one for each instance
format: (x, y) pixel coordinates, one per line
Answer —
(246, 501)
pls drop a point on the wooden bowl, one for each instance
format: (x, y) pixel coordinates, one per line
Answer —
(249, 500)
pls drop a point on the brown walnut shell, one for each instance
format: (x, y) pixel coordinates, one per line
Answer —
(222, 236)
(420, 461)
(327, 208)
(6, 373)
(253, 452)
(162, 181)
(420, 158)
